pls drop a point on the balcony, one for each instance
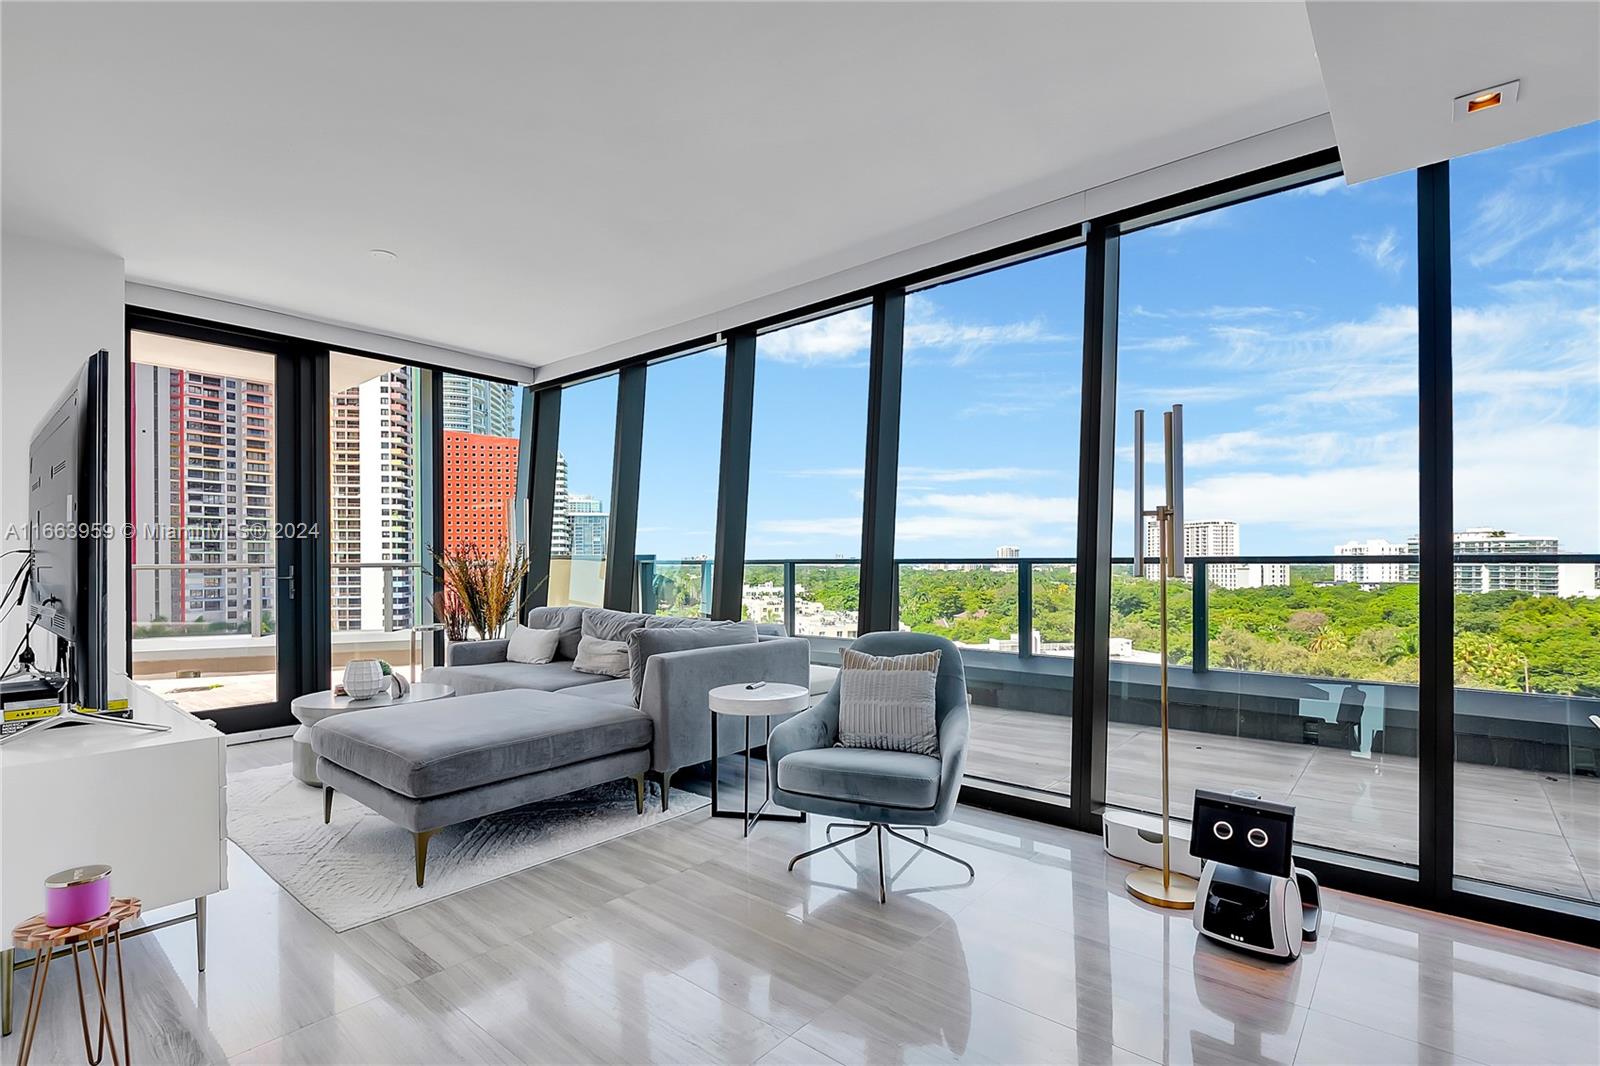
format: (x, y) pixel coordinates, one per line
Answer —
(1340, 744)
(217, 663)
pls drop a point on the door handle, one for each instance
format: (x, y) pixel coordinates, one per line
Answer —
(289, 577)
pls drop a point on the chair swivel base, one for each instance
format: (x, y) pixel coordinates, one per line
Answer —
(862, 829)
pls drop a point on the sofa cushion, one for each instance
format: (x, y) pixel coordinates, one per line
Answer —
(611, 690)
(611, 625)
(862, 775)
(654, 640)
(532, 645)
(497, 677)
(443, 746)
(569, 620)
(606, 658)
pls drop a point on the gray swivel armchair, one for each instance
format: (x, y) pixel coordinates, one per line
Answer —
(873, 791)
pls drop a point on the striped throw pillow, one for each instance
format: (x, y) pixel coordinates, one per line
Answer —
(887, 702)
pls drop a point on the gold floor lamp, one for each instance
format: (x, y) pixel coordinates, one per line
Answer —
(1162, 887)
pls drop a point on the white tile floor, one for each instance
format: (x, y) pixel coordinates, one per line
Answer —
(711, 952)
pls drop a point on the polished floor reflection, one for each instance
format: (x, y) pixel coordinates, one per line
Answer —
(687, 943)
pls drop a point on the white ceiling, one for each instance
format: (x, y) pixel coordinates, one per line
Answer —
(557, 178)
(1393, 71)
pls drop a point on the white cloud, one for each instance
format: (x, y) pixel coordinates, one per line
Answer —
(987, 519)
(1382, 248)
(910, 475)
(837, 338)
(1173, 343)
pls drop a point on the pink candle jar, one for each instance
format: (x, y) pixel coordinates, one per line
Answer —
(78, 895)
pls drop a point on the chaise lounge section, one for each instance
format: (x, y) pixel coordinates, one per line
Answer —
(426, 766)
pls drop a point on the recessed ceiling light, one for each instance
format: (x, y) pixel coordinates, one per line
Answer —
(383, 255)
(1487, 99)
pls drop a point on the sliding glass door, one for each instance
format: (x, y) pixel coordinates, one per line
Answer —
(218, 559)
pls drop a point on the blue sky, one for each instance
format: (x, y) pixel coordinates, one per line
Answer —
(1287, 328)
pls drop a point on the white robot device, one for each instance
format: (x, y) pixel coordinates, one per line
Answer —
(1251, 895)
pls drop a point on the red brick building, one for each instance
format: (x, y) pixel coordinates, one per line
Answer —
(480, 485)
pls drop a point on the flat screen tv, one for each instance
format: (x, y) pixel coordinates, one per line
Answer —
(68, 531)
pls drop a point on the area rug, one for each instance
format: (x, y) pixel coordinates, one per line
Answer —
(361, 867)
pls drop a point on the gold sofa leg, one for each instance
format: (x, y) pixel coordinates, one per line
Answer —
(638, 792)
(666, 787)
(422, 853)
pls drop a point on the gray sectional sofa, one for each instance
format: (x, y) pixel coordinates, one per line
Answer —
(675, 684)
(516, 733)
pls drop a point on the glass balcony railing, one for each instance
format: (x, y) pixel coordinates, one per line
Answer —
(204, 634)
(1301, 684)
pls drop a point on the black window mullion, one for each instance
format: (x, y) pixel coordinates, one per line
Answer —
(1436, 541)
(877, 598)
(543, 444)
(733, 479)
(624, 527)
(1091, 662)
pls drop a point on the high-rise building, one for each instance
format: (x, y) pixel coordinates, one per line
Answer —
(473, 405)
(480, 489)
(589, 527)
(1214, 538)
(374, 504)
(202, 468)
(1008, 551)
(561, 523)
(1360, 573)
(1541, 579)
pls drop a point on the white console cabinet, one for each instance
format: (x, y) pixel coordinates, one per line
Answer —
(152, 805)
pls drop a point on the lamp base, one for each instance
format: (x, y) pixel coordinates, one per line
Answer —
(1176, 893)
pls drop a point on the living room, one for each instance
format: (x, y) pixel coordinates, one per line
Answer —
(745, 532)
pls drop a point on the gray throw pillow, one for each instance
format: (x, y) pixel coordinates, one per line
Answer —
(526, 644)
(608, 658)
(611, 625)
(569, 620)
(887, 702)
(651, 640)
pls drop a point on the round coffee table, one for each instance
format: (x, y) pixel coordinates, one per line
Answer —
(747, 701)
(313, 707)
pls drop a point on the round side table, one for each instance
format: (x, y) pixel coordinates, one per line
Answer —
(753, 701)
(44, 940)
(313, 707)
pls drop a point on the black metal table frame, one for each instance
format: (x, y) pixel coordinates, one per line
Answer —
(761, 811)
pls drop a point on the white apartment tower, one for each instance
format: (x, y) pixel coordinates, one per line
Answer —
(473, 405)
(561, 523)
(1214, 538)
(374, 504)
(1360, 573)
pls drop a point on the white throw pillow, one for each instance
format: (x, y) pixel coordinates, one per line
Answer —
(608, 658)
(528, 645)
(887, 702)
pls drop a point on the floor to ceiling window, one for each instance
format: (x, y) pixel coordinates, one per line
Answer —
(986, 507)
(375, 540)
(1525, 278)
(677, 483)
(482, 433)
(1286, 327)
(807, 466)
(204, 602)
(580, 527)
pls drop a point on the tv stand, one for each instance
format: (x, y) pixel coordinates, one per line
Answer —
(69, 716)
(150, 802)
